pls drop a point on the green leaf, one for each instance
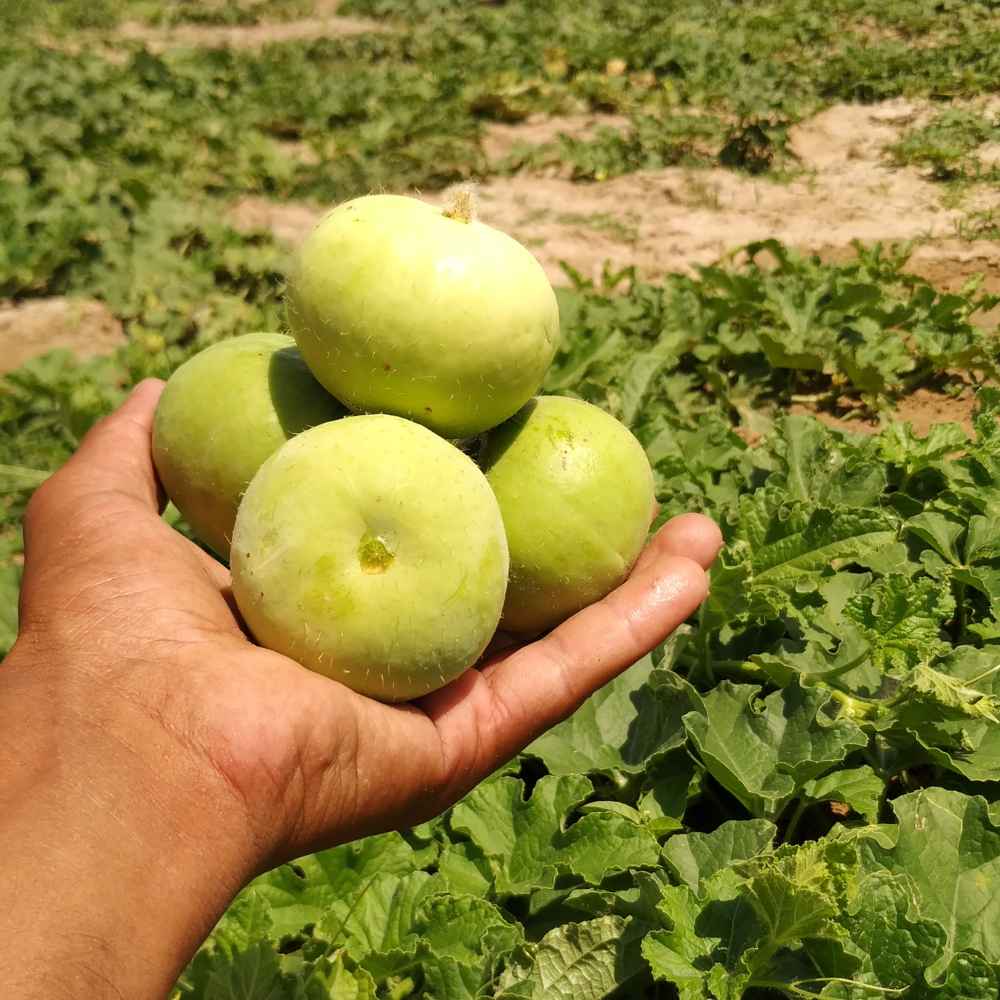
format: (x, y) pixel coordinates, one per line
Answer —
(17, 477)
(465, 929)
(950, 849)
(949, 712)
(769, 921)
(796, 894)
(10, 583)
(762, 750)
(930, 695)
(570, 368)
(941, 531)
(252, 974)
(816, 468)
(983, 539)
(696, 857)
(520, 837)
(238, 961)
(446, 979)
(248, 920)
(781, 546)
(899, 445)
(375, 928)
(582, 961)
(859, 787)
(985, 579)
(884, 922)
(968, 976)
(462, 942)
(901, 620)
(331, 979)
(670, 785)
(304, 893)
(465, 870)
(605, 842)
(641, 901)
(790, 542)
(644, 368)
(624, 726)
(681, 955)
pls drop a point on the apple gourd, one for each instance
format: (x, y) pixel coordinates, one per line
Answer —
(576, 493)
(222, 413)
(372, 551)
(399, 307)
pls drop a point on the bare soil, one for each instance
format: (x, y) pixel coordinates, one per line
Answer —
(502, 139)
(989, 154)
(327, 24)
(677, 218)
(289, 221)
(83, 326)
(922, 409)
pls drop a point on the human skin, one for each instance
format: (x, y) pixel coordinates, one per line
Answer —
(153, 760)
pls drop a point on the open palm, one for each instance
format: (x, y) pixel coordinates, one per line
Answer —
(138, 622)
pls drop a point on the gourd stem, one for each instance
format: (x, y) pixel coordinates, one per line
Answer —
(462, 207)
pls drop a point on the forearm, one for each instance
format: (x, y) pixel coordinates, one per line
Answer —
(115, 860)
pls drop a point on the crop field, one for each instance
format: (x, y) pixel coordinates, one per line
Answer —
(774, 229)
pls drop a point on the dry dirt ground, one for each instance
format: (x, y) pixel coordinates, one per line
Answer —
(37, 326)
(324, 22)
(923, 408)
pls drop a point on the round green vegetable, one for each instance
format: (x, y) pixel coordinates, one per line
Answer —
(401, 308)
(576, 492)
(221, 415)
(372, 551)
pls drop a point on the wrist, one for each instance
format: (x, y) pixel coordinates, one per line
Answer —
(141, 849)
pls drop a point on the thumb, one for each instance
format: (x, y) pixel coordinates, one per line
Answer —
(115, 454)
(113, 463)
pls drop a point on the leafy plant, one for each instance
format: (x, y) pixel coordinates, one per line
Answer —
(948, 145)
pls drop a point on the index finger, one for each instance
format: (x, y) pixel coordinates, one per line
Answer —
(550, 678)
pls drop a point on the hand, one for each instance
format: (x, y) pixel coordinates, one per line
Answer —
(154, 723)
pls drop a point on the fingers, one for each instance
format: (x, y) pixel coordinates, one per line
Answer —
(510, 702)
(114, 458)
(116, 455)
(555, 674)
(99, 505)
(692, 535)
